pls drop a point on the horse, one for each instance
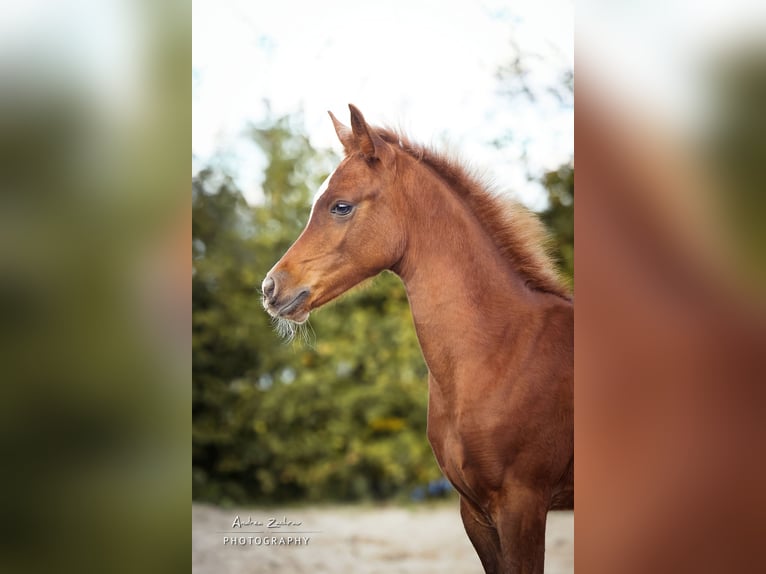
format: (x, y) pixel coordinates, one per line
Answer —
(494, 321)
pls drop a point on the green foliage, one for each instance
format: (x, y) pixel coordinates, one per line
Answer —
(559, 216)
(340, 418)
(735, 149)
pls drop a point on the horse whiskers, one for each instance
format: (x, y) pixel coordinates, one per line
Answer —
(307, 334)
(288, 330)
(284, 328)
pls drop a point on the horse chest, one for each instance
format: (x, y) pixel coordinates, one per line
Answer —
(465, 451)
(473, 469)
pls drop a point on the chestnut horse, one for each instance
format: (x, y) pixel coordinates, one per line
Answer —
(494, 322)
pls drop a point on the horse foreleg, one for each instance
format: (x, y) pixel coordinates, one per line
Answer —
(483, 537)
(520, 524)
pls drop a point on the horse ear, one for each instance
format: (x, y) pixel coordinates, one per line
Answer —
(345, 135)
(364, 136)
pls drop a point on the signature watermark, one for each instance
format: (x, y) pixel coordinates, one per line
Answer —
(270, 531)
(269, 522)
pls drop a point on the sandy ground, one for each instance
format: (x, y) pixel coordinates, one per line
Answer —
(426, 539)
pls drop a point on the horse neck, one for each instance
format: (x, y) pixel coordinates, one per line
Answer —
(466, 300)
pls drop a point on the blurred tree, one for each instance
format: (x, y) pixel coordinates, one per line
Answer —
(516, 76)
(341, 418)
(559, 216)
(736, 150)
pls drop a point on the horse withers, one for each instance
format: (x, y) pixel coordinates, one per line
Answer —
(494, 322)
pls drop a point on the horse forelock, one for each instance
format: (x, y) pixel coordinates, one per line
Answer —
(515, 230)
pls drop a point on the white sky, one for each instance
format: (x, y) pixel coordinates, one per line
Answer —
(426, 66)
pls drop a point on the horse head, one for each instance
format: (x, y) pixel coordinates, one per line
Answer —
(354, 230)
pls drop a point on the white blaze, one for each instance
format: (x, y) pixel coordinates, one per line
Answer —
(320, 192)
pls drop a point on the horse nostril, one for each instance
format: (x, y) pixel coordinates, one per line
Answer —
(269, 287)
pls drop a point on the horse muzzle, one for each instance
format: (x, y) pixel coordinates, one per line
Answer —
(284, 303)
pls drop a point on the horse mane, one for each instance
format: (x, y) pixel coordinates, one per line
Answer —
(516, 231)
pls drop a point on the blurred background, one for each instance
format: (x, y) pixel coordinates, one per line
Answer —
(670, 317)
(94, 285)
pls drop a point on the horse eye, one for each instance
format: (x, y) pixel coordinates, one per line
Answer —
(342, 209)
